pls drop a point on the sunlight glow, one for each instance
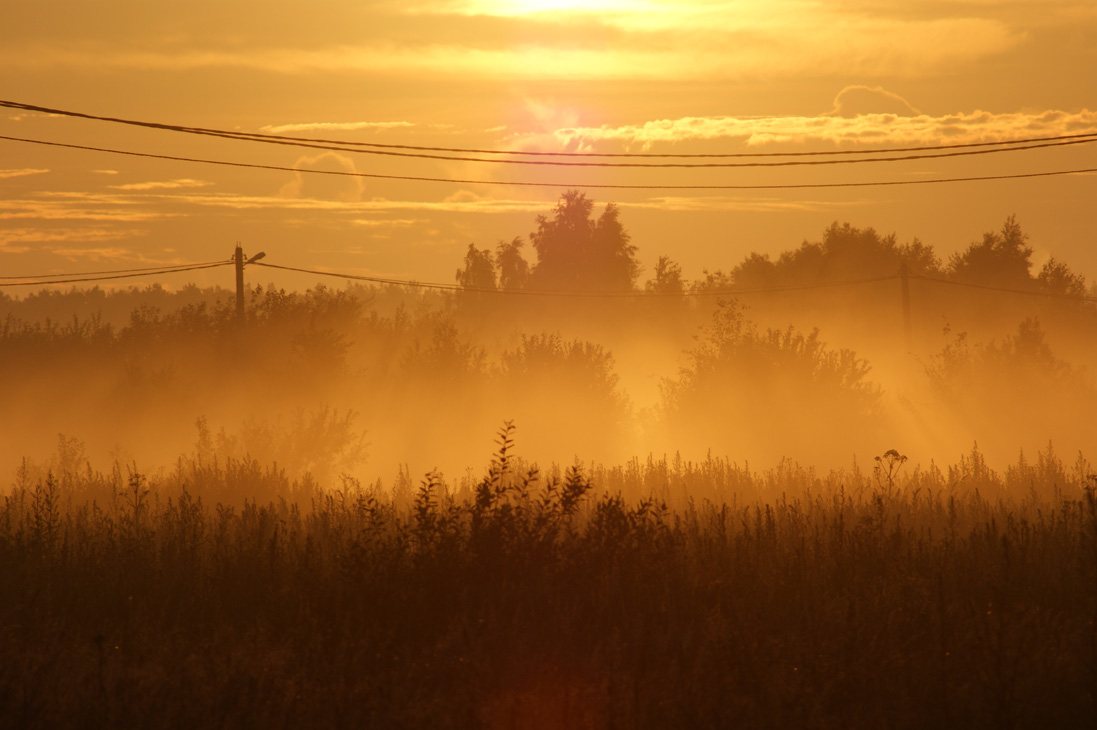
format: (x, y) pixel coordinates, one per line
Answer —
(509, 8)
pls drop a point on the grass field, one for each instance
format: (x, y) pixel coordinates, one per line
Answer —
(660, 594)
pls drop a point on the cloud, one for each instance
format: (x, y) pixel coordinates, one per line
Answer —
(875, 129)
(469, 203)
(97, 254)
(164, 185)
(854, 101)
(55, 206)
(332, 126)
(5, 174)
(387, 223)
(324, 187)
(717, 203)
(50, 235)
(707, 41)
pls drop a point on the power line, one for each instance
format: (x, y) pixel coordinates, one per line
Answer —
(660, 165)
(464, 150)
(525, 183)
(360, 149)
(1027, 292)
(113, 276)
(618, 294)
(166, 268)
(572, 293)
(75, 277)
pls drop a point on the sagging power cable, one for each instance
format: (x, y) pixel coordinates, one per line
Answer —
(429, 153)
(78, 279)
(570, 185)
(570, 293)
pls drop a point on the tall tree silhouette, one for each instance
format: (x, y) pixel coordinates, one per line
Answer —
(513, 269)
(667, 279)
(845, 252)
(1001, 258)
(479, 270)
(577, 251)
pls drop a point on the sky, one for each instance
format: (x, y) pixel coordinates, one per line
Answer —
(601, 76)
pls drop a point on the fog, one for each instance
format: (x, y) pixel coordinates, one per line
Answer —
(806, 358)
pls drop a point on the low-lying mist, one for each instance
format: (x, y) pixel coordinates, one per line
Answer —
(826, 355)
(370, 382)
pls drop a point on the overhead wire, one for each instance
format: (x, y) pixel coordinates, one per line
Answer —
(358, 148)
(166, 268)
(49, 282)
(465, 150)
(411, 283)
(543, 184)
(569, 292)
(76, 277)
(667, 165)
(1026, 292)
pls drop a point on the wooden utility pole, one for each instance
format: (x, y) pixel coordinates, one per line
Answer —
(239, 260)
(904, 277)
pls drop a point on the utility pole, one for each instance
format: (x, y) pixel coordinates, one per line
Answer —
(904, 277)
(238, 258)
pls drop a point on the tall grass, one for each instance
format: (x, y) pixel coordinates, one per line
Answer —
(659, 594)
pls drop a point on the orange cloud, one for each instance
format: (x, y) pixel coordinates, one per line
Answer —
(48, 235)
(332, 127)
(76, 206)
(164, 185)
(878, 129)
(5, 174)
(346, 189)
(779, 38)
(740, 204)
(854, 101)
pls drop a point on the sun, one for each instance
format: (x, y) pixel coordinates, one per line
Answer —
(534, 7)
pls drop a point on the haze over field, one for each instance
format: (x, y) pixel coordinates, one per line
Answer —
(624, 78)
(814, 355)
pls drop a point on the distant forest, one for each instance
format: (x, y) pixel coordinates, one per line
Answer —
(577, 251)
(326, 380)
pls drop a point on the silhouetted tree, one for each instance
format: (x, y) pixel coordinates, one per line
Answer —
(576, 251)
(576, 368)
(668, 278)
(782, 382)
(921, 260)
(713, 281)
(479, 271)
(1001, 258)
(513, 268)
(844, 253)
(1057, 278)
(756, 270)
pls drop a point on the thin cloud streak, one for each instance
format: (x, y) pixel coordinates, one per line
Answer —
(7, 174)
(78, 207)
(742, 205)
(873, 129)
(862, 46)
(333, 127)
(49, 235)
(460, 203)
(164, 185)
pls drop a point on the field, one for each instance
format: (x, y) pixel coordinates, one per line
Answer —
(657, 594)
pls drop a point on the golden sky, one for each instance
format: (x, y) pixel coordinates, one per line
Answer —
(545, 75)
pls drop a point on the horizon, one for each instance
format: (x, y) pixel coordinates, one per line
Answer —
(609, 78)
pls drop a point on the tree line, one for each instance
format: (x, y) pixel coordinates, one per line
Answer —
(578, 251)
